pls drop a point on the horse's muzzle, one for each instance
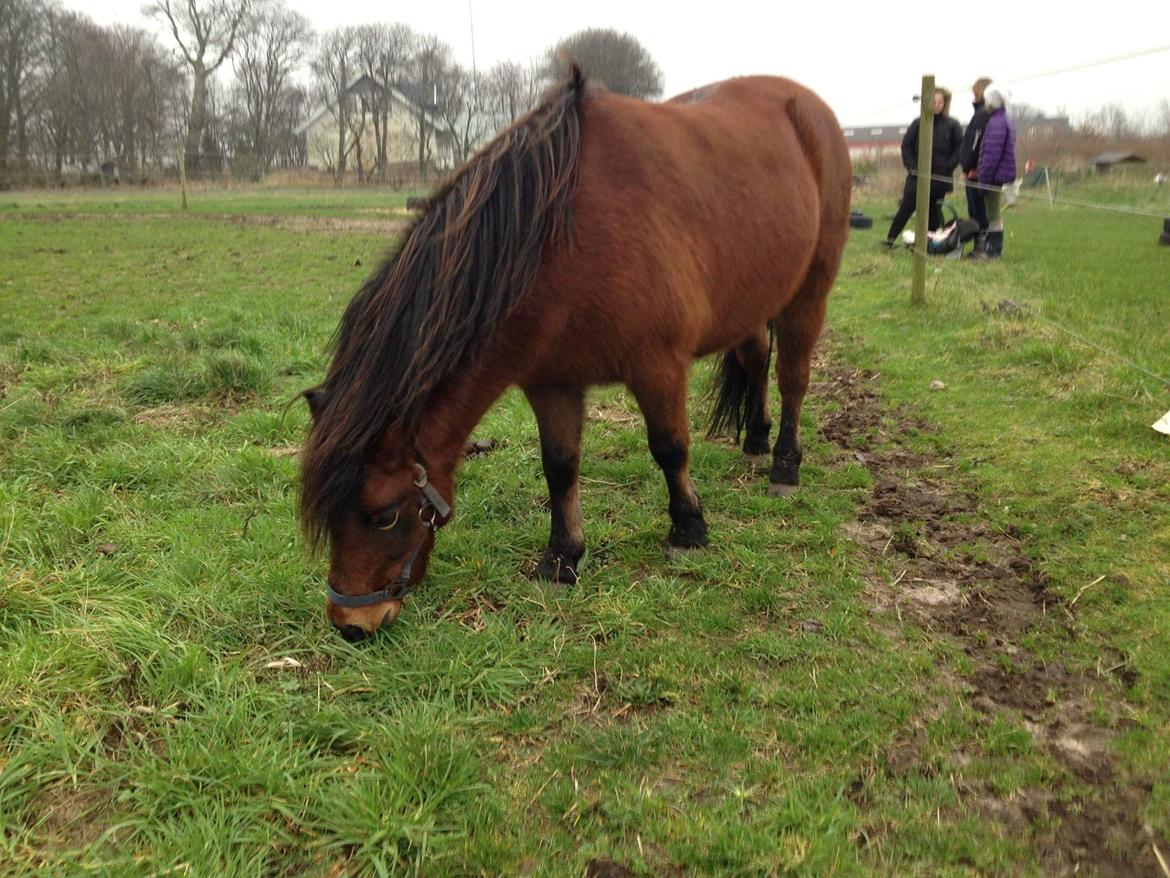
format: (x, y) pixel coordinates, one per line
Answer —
(358, 623)
(352, 633)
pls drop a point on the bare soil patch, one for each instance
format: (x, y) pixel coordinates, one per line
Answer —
(391, 225)
(959, 577)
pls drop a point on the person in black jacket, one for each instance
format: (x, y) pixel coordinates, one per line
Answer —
(948, 138)
(969, 161)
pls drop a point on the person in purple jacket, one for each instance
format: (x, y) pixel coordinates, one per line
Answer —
(997, 166)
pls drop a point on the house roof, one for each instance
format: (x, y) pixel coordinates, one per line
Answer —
(1116, 158)
(863, 134)
(364, 84)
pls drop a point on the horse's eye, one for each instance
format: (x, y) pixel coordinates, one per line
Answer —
(387, 519)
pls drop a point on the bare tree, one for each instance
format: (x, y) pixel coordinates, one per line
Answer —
(1111, 122)
(272, 44)
(383, 54)
(1162, 123)
(105, 94)
(22, 38)
(163, 98)
(206, 32)
(509, 91)
(430, 61)
(460, 106)
(333, 69)
(616, 59)
(64, 125)
(216, 148)
(357, 121)
(288, 147)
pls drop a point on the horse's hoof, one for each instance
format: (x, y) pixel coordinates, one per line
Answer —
(778, 490)
(563, 574)
(558, 569)
(679, 553)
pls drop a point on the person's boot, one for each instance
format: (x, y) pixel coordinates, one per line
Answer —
(979, 248)
(994, 245)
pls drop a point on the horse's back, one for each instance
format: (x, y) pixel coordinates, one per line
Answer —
(696, 220)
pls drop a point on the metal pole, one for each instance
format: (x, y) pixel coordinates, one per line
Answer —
(922, 209)
(471, 22)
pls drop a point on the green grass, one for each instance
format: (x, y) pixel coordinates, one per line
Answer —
(663, 715)
(243, 200)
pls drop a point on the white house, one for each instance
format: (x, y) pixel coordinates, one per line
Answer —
(321, 140)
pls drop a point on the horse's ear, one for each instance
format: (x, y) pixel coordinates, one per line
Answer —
(316, 398)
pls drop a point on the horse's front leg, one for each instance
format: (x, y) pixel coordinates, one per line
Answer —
(662, 395)
(559, 415)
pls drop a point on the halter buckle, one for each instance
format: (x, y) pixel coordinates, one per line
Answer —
(420, 477)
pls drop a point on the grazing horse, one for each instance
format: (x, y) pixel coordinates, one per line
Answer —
(599, 239)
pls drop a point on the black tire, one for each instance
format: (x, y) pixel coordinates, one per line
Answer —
(1164, 239)
(858, 220)
(1166, 226)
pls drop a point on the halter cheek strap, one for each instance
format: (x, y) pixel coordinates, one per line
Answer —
(401, 587)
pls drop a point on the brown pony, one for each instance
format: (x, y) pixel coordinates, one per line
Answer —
(599, 239)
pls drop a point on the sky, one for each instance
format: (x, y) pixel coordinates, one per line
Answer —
(865, 59)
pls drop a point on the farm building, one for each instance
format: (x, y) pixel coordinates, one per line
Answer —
(321, 131)
(1043, 127)
(874, 141)
(869, 142)
(1106, 161)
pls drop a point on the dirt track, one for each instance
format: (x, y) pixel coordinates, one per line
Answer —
(921, 529)
(390, 225)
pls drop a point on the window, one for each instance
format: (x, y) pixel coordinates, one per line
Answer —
(876, 131)
(848, 132)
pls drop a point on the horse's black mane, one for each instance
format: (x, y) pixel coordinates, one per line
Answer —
(464, 266)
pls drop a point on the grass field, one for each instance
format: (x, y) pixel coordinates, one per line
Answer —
(948, 655)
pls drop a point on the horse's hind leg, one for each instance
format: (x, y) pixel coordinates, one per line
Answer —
(662, 395)
(797, 329)
(753, 356)
(559, 415)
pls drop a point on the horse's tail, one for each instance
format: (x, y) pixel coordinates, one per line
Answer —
(731, 393)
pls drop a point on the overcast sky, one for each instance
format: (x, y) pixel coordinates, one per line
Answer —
(865, 59)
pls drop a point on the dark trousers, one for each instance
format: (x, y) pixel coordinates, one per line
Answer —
(938, 192)
(977, 205)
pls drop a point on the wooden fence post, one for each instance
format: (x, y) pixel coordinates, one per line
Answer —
(183, 175)
(922, 210)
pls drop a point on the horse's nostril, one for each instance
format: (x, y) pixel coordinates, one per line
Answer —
(352, 633)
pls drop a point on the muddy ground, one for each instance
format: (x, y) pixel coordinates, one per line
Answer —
(935, 563)
(390, 223)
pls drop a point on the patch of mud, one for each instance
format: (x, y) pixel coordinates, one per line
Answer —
(306, 671)
(390, 226)
(962, 579)
(71, 817)
(600, 867)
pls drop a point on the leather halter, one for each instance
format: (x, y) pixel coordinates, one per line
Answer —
(401, 586)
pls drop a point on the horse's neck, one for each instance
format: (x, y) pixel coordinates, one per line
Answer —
(454, 411)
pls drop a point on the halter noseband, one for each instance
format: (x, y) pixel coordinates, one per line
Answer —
(401, 587)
